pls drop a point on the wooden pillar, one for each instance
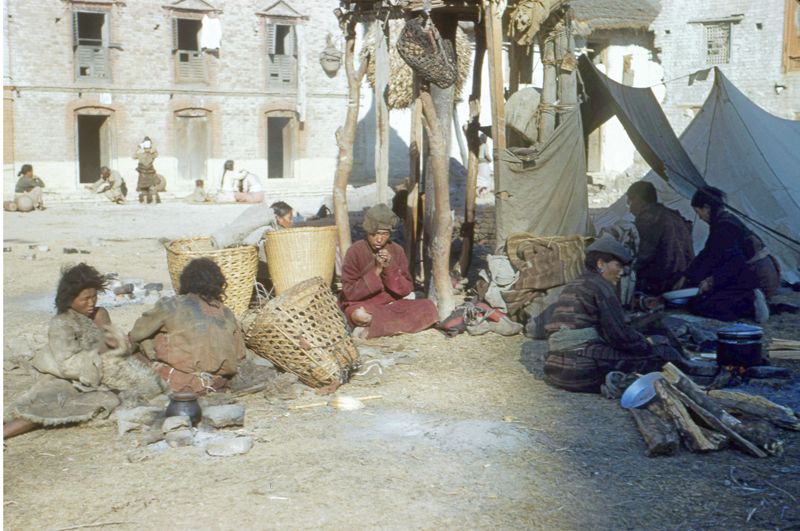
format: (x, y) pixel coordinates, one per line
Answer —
(411, 226)
(442, 99)
(515, 54)
(547, 114)
(440, 242)
(473, 142)
(493, 19)
(567, 77)
(346, 135)
(381, 112)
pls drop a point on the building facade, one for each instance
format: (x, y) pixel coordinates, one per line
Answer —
(85, 81)
(755, 44)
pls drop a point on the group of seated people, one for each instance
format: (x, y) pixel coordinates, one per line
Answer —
(588, 335)
(734, 272)
(187, 343)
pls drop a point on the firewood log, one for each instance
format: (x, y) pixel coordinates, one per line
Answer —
(716, 438)
(682, 382)
(761, 433)
(660, 436)
(757, 406)
(691, 434)
(714, 422)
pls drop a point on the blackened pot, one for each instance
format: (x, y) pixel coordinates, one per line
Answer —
(739, 345)
(184, 404)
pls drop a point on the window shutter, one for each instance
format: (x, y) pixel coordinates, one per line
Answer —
(270, 39)
(174, 35)
(74, 29)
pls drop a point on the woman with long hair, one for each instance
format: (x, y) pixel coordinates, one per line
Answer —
(734, 272)
(86, 368)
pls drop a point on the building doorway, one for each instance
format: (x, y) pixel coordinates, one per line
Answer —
(192, 140)
(93, 141)
(280, 146)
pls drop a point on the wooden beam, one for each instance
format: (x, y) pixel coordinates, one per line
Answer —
(411, 227)
(473, 143)
(493, 20)
(547, 114)
(381, 112)
(440, 243)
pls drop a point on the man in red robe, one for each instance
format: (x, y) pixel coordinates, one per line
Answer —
(375, 280)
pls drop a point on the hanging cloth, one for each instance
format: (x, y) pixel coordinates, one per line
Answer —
(210, 34)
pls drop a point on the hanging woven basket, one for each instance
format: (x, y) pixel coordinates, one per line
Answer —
(432, 57)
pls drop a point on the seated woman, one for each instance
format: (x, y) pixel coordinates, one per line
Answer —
(193, 340)
(85, 364)
(734, 271)
(587, 333)
(28, 191)
(375, 280)
(249, 188)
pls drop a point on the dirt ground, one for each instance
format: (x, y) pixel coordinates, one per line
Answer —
(463, 436)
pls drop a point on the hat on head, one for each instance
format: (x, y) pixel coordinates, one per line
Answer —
(380, 217)
(609, 245)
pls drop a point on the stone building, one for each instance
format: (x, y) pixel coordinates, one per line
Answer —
(617, 37)
(756, 45)
(86, 80)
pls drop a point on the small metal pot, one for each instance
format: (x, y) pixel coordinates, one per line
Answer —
(739, 345)
(184, 404)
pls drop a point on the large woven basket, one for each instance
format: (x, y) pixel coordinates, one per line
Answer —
(303, 332)
(238, 264)
(297, 254)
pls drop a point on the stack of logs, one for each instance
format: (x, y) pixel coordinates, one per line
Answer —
(683, 412)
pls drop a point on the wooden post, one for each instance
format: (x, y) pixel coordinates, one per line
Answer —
(381, 112)
(473, 142)
(514, 53)
(411, 225)
(346, 135)
(547, 114)
(442, 99)
(440, 243)
(493, 19)
(567, 77)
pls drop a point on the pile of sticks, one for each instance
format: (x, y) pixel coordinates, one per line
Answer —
(683, 413)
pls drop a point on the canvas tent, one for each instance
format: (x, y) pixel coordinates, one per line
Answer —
(732, 144)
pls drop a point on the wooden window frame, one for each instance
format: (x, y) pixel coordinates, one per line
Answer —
(94, 56)
(190, 65)
(720, 59)
(281, 69)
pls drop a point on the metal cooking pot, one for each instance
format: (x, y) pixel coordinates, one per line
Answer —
(739, 345)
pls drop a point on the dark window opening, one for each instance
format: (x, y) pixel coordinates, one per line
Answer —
(90, 29)
(187, 30)
(281, 37)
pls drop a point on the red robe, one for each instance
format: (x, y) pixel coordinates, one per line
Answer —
(382, 295)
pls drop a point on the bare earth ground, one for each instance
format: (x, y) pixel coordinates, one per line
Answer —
(464, 436)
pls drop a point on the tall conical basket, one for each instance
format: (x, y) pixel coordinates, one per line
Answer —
(297, 254)
(303, 332)
(238, 264)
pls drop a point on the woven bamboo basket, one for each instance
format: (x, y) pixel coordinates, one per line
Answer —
(297, 254)
(238, 264)
(303, 332)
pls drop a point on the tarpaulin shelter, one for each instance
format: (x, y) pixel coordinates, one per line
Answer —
(731, 143)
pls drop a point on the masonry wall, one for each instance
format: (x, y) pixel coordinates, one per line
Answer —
(755, 55)
(142, 98)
